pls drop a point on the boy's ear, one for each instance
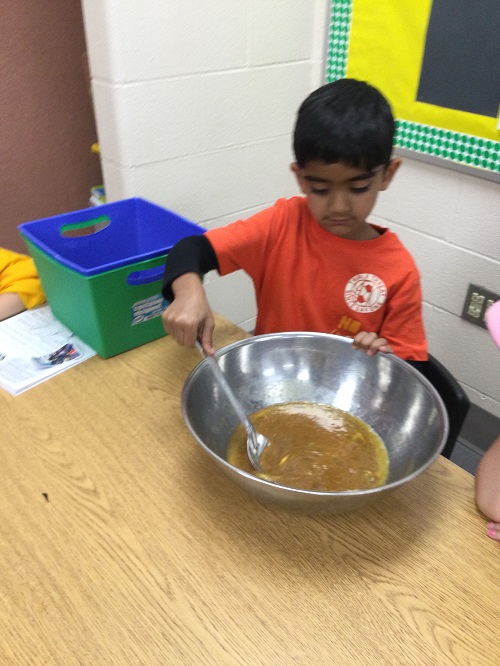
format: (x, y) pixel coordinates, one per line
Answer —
(389, 172)
(294, 167)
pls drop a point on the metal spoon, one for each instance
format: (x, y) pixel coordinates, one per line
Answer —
(256, 443)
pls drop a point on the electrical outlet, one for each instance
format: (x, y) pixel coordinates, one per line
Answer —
(477, 301)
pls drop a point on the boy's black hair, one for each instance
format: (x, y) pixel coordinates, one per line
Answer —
(346, 121)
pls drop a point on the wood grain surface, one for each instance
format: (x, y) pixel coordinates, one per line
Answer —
(122, 543)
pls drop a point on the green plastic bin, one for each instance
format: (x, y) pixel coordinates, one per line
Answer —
(106, 286)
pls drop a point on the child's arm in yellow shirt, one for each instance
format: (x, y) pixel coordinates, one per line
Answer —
(20, 286)
(10, 304)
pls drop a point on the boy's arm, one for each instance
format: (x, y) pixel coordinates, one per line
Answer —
(403, 326)
(193, 254)
(189, 316)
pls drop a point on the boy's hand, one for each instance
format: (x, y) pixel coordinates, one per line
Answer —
(189, 317)
(370, 343)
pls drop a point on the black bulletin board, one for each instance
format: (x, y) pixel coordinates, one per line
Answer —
(438, 63)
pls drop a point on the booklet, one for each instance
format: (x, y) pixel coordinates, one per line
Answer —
(35, 346)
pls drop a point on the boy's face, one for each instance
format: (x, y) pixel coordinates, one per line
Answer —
(341, 197)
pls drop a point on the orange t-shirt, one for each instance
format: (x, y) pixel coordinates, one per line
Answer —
(18, 274)
(307, 279)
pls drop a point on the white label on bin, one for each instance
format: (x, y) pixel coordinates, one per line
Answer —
(147, 309)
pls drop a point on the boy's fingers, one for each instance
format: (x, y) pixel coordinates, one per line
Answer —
(205, 337)
(370, 343)
(189, 336)
(361, 340)
(381, 345)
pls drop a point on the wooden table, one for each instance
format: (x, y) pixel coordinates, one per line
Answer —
(122, 543)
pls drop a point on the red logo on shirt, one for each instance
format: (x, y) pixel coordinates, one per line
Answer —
(365, 293)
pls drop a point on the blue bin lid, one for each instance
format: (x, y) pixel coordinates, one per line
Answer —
(121, 233)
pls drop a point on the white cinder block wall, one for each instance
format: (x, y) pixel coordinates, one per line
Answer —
(450, 222)
(195, 102)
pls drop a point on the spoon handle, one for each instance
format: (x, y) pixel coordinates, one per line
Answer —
(237, 406)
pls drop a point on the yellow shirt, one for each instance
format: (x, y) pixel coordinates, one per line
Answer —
(18, 274)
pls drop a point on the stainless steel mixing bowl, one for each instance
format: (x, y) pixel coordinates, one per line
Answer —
(384, 391)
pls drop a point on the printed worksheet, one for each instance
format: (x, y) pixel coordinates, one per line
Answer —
(35, 346)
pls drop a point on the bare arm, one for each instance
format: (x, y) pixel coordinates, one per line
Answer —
(10, 304)
(488, 482)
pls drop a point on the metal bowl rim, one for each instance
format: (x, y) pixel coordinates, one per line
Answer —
(314, 493)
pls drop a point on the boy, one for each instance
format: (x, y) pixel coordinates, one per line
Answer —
(20, 287)
(316, 263)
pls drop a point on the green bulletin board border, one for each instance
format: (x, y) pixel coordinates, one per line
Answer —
(465, 150)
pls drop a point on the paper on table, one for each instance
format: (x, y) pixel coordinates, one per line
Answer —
(35, 346)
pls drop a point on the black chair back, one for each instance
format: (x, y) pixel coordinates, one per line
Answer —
(455, 399)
